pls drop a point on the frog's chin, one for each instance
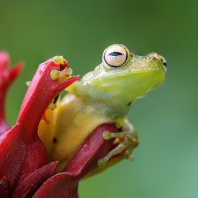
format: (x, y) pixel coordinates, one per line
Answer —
(142, 95)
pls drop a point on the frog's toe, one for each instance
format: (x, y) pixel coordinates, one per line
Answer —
(128, 155)
(127, 142)
(118, 149)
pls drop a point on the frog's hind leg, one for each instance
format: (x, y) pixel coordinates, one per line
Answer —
(127, 141)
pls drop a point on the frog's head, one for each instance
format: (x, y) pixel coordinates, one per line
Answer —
(125, 75)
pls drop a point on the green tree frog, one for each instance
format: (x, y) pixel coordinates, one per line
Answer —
(103, 95)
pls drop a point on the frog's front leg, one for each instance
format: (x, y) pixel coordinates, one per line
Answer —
(127, 140)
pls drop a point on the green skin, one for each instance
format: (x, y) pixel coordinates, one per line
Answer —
(101, 96)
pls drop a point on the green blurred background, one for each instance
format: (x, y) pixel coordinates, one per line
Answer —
(166, 161)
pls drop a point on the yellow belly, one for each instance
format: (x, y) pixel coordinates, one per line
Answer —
(71, 123)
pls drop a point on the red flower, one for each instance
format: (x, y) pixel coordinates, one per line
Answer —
(6, 79)
(24, 168)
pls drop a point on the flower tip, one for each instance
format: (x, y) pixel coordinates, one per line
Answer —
(59, 60)
(73, 79)
(63, 85)
(4, 60)
(76, 77)
(15, 71)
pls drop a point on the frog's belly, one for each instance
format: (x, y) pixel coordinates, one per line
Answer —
(72, 131)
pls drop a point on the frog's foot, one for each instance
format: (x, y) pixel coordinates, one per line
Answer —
(127, 141)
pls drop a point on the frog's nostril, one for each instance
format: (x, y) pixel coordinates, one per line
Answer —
(159, 57)
(163, 61)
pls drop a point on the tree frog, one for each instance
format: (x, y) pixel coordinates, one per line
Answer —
(103, 95)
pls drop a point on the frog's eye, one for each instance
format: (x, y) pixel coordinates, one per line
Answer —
(115, 55)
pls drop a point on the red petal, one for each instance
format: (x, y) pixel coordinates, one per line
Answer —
(6, 78)
(19, 156)
(4, 61)
(94, 148)
(59, 186)
(15, 71)
(85, 161)
(31, 183)
(4, 188)
(21, 150)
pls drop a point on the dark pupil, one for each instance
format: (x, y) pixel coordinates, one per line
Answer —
(115, 54)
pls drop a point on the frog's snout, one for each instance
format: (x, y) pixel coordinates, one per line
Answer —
(159, 57)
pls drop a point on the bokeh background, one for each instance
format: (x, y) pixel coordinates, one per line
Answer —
(166, 161)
